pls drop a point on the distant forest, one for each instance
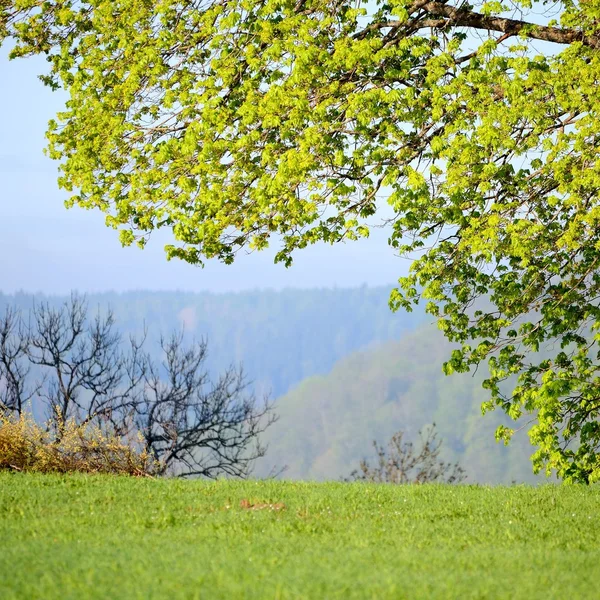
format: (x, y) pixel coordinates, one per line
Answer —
(280, 337)
(327, 424)
(343, 368)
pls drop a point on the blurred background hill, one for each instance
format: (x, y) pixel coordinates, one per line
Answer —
(343, 370)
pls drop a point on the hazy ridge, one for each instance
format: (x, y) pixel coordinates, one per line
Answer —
(343, 368)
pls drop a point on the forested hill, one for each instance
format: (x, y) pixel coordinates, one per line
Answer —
(327, 423)
(343, 368)
(280, 337)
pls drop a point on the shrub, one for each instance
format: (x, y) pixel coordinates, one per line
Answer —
(403, 463)
(25, 446)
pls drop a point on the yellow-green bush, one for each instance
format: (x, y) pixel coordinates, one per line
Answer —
(25, 446)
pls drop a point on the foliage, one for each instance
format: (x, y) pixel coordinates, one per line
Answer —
(232, 122)
(401, 463)
(26, 446)
(96, 537)
(189, 424)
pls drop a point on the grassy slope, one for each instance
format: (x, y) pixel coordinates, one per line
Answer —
(104, 537)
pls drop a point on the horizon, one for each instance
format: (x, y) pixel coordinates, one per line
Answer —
(255, 290)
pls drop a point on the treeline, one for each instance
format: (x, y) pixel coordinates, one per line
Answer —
(104, 403)
(342, 369)
(280, 337)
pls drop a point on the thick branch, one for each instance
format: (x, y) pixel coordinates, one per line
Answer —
(467, 18)
(451, 16)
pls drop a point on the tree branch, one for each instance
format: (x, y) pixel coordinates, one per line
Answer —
(451, 16)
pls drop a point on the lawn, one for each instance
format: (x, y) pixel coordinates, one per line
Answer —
(115, 537)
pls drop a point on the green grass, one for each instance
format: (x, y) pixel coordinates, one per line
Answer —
(110, 537)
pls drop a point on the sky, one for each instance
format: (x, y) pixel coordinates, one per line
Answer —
(46, 248)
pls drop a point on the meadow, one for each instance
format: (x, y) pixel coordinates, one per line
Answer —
(78, 536)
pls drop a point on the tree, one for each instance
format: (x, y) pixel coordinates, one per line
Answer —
(88, 376)
(233, 122)
(193, 427)
(15, 393)
(401, 463)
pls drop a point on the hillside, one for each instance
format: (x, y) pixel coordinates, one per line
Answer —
(327, 423)
(344, 369)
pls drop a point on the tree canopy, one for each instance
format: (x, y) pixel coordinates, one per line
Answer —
(233, 121)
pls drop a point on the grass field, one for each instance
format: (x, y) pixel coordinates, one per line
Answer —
(110, 537)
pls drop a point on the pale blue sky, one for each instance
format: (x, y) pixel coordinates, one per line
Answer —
(45, 247)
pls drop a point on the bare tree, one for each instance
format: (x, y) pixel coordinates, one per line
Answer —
(194, 426)
(88, 375)
(16, 391)
(191, 425)
(403, 463)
